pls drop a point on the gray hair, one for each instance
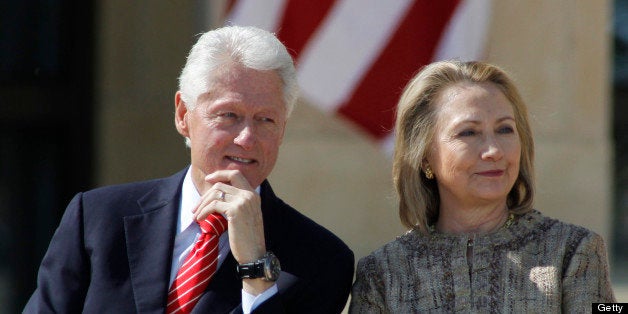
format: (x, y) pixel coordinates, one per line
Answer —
(248, 46)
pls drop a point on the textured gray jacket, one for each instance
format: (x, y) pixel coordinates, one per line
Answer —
(536, 265)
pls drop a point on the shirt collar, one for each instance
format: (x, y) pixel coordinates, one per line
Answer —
(189, 199)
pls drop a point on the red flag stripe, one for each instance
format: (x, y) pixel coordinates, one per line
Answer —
(344, 47)
(304, 17)
(229, 6)
(372, 104)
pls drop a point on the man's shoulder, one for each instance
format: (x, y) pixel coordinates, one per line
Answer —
(308, 229)
(296, 228)
(133, 191)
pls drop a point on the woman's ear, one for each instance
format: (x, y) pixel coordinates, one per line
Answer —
(427, 169)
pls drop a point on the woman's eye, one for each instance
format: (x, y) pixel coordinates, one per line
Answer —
(506, 130)
(467, 133)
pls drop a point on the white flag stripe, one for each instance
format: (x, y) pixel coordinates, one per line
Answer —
(466, 33)
(387, 144)
(344, 47)
(265, 14)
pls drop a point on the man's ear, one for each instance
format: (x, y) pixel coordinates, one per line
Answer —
(180, 115)
(283, 131)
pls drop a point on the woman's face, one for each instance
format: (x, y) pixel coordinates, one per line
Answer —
(476, 149)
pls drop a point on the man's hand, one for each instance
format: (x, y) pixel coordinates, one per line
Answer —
(241, 205)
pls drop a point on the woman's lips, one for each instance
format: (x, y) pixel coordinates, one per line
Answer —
(491, 173)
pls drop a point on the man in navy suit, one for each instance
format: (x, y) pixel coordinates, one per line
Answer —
(118, 248)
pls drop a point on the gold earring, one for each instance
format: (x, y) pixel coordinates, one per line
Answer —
(428, 173)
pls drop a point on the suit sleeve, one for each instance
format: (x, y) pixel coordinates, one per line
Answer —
(63, 275)
(586, 278)
(326, 293)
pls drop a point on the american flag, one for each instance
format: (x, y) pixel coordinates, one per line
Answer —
(354, 57)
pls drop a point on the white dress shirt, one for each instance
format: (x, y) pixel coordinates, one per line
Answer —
(187, 234)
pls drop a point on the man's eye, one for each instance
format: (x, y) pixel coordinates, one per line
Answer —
(265, 119)
(228, 115)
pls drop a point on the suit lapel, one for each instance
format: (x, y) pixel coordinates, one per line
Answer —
(150, 240)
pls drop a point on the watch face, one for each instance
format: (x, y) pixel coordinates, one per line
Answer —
(272, 268)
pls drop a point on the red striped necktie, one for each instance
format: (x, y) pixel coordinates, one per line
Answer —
(198, 268)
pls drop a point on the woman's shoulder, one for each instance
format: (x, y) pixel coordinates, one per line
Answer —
(396, 250)
(536, 221)
(387, 257)
(550, 232)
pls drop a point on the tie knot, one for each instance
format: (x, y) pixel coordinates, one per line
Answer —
(214, 224)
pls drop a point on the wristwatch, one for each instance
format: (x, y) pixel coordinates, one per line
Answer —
(267, 268)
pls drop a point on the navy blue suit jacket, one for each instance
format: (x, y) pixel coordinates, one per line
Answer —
(112, 252)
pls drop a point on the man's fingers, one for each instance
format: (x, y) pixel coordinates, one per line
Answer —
(208, 202)
(204, 209)
(231, 177)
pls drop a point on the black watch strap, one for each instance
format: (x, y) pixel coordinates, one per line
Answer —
(251, 270)
(267, 268)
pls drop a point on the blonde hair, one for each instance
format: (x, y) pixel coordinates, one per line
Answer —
(415, 124)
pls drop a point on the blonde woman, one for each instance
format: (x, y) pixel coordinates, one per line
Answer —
(463, 170)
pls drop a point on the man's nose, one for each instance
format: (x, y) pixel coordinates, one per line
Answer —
(246, 136)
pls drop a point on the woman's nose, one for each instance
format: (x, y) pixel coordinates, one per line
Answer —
(492, 149)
